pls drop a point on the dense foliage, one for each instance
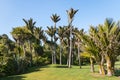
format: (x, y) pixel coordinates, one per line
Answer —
(33, 46)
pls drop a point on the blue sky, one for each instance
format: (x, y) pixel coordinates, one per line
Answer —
(91, 12)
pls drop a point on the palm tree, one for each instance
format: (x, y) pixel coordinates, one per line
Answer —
(70, 14)
(60, 32)
(106, 38)
(78, 42)
(95, 36)
(39, 35)
(55, 18)
(30, 24)
(111, 44)
(66, 41)
(51, 33)
(20, 34)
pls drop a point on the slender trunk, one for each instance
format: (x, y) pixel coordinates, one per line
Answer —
(109, 66)
(52, 58)
(55, 45)
(68, 56)
(72, 59)
(60, 52)
(52, 51)
(101, 68)
(92, 65)
(68, 51)
(69, 64)
(54, 55)
(79, 56)
(102, 65)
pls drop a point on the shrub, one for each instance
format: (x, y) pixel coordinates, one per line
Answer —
(39, 61)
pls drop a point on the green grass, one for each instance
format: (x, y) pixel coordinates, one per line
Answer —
(56, 72)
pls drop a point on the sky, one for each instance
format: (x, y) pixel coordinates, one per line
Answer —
(91, 12)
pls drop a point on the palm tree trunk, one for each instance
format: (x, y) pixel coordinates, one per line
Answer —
(101, 66)
(67, 54)
(109, 66)
(60, 52)
(68, 49)
(92, 65)
(54, 54)
(52, 51)
(70, 54)
(52, 58)
(101, 69)
(54, 45)
(79, 55)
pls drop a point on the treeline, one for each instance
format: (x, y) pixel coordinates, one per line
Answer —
(31, 46)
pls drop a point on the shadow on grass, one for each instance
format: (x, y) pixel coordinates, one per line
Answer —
(54, 66)
(15, 77)
(21, 77)
(64, 66)
(33, 69)
(61, 66)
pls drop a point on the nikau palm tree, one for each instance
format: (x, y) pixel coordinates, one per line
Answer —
(30, 24)
(51, 33)
(61, 35)
(78, 42)
(55, 18)
(70, 14)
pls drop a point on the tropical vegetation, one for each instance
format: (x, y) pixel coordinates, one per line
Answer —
(34, 47)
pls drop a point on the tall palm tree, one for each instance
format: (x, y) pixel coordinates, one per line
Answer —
(78, 42)
(66, 41)
(30, 24)
(60, 32)
(39, 35)
(70, 14)
(51, 33)
(55, 18)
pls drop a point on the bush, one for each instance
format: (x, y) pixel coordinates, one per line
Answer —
(10, 66)
(39, 61)
(7, 66)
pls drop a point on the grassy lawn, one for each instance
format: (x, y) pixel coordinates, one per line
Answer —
(56, 72)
